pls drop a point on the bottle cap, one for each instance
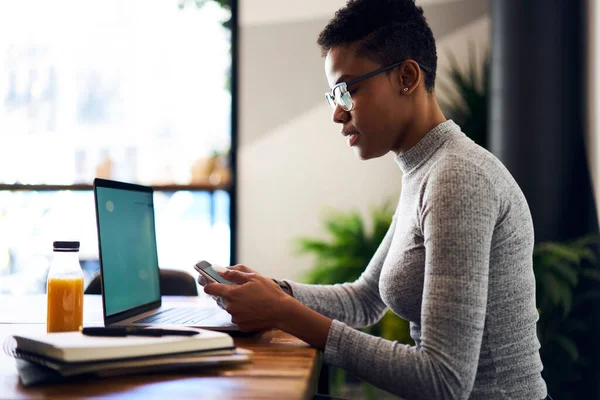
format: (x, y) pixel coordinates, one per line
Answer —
(66, 246)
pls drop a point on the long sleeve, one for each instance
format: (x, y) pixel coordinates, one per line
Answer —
(457, 211)
(358, 304)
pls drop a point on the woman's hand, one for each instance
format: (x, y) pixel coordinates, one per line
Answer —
(239, 267)
(254, 303)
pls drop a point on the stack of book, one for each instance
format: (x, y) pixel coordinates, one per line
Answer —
(55, 357)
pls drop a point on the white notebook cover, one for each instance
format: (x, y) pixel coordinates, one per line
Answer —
(76, 347)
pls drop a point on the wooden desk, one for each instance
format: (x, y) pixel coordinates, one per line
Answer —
(283, 367)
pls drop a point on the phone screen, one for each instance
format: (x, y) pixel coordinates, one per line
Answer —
(210, 271)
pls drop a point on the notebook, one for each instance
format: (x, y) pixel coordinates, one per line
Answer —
(166, 362)
(129, 269)
(36, 368)
(73, 347)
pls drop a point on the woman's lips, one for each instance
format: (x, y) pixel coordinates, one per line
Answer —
(352, 139)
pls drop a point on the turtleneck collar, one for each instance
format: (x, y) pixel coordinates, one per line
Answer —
(427, 146)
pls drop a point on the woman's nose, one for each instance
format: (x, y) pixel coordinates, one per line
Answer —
(339, 115)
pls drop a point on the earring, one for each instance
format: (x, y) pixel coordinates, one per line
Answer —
(405, 89)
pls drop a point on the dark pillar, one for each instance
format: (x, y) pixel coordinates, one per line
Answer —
(538, 110)
(537, 127)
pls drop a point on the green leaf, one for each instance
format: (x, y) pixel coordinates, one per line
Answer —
(567, 301)
(568, 345)
(395, 328)
(349, 246)
(306, 245)
(338, 378)
(469, 108)
(560, 251)
(340, 225)
(589, 240)
(560, 270)
(555, 289)
(566, 271)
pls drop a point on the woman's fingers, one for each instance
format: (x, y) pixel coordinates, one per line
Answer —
(241, 267)
(237, 276)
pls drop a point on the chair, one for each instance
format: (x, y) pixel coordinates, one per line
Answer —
(172, 283)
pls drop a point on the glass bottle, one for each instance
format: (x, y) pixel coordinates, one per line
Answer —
(65, 289)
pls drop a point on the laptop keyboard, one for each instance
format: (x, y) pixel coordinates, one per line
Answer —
(181, 316)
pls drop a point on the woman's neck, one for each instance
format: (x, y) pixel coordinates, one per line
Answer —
(428, 116)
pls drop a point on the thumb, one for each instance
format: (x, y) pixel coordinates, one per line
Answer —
(217, 289)
(235, 276)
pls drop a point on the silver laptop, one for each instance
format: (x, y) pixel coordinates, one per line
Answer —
(129, 263)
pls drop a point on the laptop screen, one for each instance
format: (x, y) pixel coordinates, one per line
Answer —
(130, 275)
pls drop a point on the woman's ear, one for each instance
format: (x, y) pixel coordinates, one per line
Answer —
(409, 76)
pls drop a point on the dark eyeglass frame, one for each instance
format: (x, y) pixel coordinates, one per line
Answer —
(343, 86)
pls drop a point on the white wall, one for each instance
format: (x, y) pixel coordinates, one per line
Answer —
(293, 163)
(593, 107)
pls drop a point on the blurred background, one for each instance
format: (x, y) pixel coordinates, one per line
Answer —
(137, 91)
(219, 105)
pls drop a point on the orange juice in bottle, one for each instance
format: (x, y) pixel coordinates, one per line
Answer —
(65, 289)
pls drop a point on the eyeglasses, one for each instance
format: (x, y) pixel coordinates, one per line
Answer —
(340, 95)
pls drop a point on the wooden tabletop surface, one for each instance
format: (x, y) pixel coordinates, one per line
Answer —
(282, 367)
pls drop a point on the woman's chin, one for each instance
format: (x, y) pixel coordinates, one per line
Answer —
(360, 153)
(365, 154)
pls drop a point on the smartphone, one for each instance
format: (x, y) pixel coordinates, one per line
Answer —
(210, 274)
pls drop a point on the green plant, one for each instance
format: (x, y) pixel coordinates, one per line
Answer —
(469, 108)
(342, 258)
(345, 256)
(567, 281)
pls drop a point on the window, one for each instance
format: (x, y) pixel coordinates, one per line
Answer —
(137, 91)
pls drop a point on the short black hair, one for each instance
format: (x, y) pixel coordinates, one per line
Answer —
(390, 31)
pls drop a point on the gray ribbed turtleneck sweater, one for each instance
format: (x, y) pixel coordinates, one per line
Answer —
(456, 263)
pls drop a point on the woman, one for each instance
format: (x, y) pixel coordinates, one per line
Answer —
(457, 259)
